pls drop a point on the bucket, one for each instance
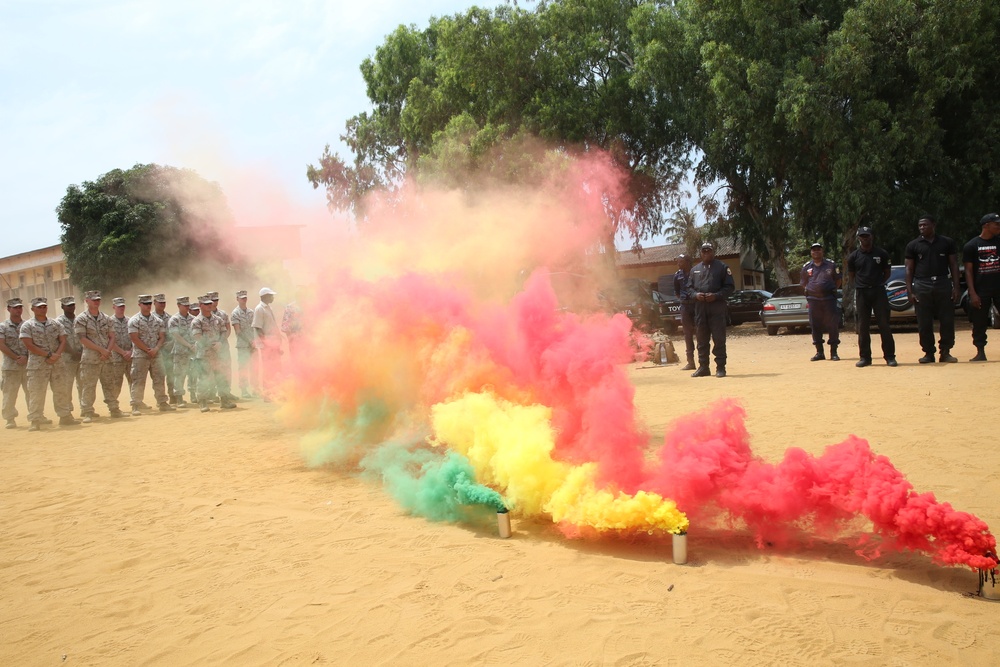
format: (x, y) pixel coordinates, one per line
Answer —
(680, 548)
(503, 523)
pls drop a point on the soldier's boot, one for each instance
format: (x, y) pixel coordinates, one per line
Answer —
(820, 355)
(702, 372)
(720, 372)
(980, 354)
(690, 365)
(67, 420)
(833, 353)
(11, 424)
(173, 400)
(35, 426)
(946, 357)
(166, 407)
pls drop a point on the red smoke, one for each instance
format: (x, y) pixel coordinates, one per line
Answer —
(707, 467)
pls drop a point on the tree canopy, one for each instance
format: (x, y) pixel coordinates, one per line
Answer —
(147, 221)
(812, 116)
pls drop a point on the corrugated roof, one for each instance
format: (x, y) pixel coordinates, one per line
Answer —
(661, 254)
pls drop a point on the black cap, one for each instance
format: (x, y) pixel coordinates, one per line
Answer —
(864, 231)
(817, 244)
(989, 217)
(707, 246)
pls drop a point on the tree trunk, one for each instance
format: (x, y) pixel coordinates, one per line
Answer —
(780, 264)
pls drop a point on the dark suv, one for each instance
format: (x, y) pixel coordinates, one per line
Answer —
(668, 305)
(635, 298)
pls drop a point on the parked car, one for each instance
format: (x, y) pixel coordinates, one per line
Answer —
(634, 298)
(745, 305)
(668, 305)
(788, 307)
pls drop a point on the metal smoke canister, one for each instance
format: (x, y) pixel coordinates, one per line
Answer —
(503, 522)
(680, 548)
(988, 584)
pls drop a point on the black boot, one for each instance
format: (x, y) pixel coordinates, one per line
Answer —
(690, 365)
(833, 353)
(980, 354)
(703, 371)
(819, 356)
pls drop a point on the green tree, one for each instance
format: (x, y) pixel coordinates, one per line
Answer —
(142, 222)
(682, 227)
(490, 77)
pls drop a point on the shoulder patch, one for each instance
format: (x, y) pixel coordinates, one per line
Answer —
(729, 271)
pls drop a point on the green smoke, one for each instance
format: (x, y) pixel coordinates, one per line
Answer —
(438, 485)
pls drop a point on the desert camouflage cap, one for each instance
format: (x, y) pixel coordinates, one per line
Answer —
(118, 301)
(67, 301)
(195, 307)
(145, 298)
(160, 298)
(204, 298)
(241, 294)
(93, 295)
(214, 296)
(13, 303)
(39, 301)
(183, 301)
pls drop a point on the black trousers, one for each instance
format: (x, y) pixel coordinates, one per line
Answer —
(873, 300)
(934, 303)
(824, 318)
(687, 323)
(710, 323)
(980, 317)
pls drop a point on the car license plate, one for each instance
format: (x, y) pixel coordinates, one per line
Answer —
(789, 306)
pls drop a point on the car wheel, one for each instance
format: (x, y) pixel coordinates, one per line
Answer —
(772, 331)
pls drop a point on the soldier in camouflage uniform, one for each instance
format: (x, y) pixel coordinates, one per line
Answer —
(182, 349)
(242, 320)
(207, 330)
(148, 338)
(225, 352)
(45, 340)
(74, 350)
(97, 336)
(121, 352)
(166, 360)
(15, 361)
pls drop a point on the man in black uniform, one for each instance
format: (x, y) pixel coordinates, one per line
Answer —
(929, 258)
(982, 275)
(687, 307)
(710, 284)
(869, 268)
(820, 279)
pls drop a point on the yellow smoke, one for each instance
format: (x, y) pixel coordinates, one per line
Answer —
(510, 447)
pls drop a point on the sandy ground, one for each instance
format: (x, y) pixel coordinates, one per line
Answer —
(201, 539)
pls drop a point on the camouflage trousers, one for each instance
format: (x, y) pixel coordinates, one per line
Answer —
(121, 373)
(40, 379)
(89, 375)
(247, 367)
(166, 362)
(70, 374)
(182, 366)
(210, 379)
(142, 367)
(11, 384)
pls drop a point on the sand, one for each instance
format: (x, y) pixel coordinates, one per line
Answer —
(202, 539)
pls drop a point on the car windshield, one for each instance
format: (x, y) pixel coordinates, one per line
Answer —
(788, 290)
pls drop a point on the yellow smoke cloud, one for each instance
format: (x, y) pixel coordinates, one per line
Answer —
(510, 447)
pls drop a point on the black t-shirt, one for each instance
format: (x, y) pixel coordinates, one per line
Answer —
(930, 258)
(985, 260)
(869, 267)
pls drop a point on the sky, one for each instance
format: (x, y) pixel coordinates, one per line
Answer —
(223, 87)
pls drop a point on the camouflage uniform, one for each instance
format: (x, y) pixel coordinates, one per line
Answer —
(70, 360)
(121, 368)
(42, 374)
(15, 376)
(98, 330)
(180, 328)
(149, 330)
(244, 348)
(165, 360)
(208, 336)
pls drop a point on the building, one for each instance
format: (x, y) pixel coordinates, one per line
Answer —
(34, 273)
(748, 272)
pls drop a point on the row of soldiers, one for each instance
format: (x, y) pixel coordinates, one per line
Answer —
(190, 347)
